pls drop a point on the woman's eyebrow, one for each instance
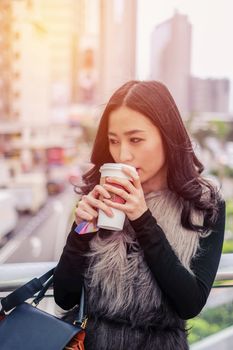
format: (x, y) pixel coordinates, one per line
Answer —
(127, 132)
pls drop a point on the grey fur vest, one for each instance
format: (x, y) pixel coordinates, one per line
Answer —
(127, 309)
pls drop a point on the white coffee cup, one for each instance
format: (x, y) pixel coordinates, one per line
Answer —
(116, 222)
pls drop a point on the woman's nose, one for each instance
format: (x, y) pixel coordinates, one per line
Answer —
(125, 154)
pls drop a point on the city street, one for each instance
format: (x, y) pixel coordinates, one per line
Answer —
(41, 237)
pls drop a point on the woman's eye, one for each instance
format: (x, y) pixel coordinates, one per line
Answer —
(135, 139)
(113, 142)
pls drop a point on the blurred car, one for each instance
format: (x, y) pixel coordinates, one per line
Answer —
(29, 191)
(4, 173)
(56, 179)
(8, 213)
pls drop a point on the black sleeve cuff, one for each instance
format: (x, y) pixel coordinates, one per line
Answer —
(139, 222)
(147, 224)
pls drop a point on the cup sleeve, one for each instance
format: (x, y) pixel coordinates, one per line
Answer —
(86, 227)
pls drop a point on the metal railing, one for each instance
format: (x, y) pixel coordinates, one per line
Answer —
(15, 275)
(224, 277)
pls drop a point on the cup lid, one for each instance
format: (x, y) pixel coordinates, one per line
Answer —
(115, 166)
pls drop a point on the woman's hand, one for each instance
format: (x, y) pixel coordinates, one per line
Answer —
(87, 207)
(132, 193)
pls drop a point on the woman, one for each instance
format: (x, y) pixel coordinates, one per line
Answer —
(144, 281)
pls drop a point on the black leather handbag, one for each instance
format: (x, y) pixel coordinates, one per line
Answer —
(28, 328)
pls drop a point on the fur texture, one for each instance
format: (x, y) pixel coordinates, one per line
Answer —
(126, 307)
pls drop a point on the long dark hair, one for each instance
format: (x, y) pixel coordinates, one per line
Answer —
(153, 99)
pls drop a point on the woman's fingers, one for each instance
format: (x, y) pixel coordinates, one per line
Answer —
(88, 206)
(130, 185)
(86, 212)
(96, 203)
(116, 205)
(130, 190)
(99, 190)
(127, 185)
(81, 215)
(84, 206)
(121, 192)
(134, 176)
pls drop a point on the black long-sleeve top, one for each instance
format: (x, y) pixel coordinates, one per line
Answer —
(186, 292)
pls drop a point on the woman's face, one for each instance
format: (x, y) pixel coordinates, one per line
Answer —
(136, 141)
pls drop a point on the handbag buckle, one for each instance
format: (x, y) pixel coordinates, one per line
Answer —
(84, 323)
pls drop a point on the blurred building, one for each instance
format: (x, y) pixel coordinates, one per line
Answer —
(5, 60)
(40, 50)
(62, 20)
(106, 50)
(31, 68)
(26, 73)
(209, 95)
(171, 57)
(24, 65)
(86, 60)
(73, 38)
(117, 48)
(58, 52)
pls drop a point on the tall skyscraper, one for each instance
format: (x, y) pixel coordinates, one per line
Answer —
(209, 95)
(5, 60)
(62, 20)
(171, 57)
(23, 64)
(86, 70)
(30, 66)
(116, 55)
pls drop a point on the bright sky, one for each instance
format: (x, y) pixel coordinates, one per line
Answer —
(212, 29)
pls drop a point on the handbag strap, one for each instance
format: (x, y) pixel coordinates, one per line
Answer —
(41, 294)
(82, 313)
(27, 291)
(40, 285)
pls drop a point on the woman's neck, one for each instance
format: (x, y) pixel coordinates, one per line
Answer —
(156, 183)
